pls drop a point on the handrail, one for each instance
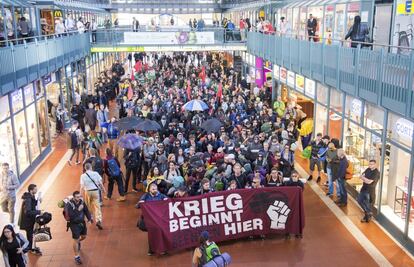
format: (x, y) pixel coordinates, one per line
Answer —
(17, 40)
(324, 40)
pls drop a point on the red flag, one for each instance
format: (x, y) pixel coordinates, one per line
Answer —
(138, 66)
(132, 75)
(188, 90)
(219, 92)
(202, 74)
(130, 93)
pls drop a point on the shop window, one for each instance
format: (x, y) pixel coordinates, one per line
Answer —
(374, 118)
(7, 153)
(353, 108)
(322, 93)
(339, 31)
(400, 129)
(17, 100)
(336, 100)
(4, 107)
(21, 142)
(395, 183)
(28, 94)
(361, 146)
(33, 133)
(40, 89)
(42, 117)
(321, 123)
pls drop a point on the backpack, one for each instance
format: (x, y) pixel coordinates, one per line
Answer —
(349, 171)
(97, 165)
(113, 168)
(73, 139)
(132, 160)
(208, 253)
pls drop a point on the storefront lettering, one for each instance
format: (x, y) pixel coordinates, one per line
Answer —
(404, 128)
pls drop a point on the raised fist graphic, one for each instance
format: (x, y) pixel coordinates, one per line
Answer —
(278, 213)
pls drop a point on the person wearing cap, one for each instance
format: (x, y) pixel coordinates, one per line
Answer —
(206, 251)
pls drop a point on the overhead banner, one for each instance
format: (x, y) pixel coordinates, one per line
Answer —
(168, 38)
(176, 224)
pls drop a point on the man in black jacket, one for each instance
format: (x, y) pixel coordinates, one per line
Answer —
(132, 163)
(28, 215)
(75, 213)
(316, 145)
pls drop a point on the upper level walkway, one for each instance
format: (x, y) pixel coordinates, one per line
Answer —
(376, 75)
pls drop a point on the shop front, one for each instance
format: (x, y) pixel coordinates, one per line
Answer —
(366, 132)
(24, 132)
(334, 17)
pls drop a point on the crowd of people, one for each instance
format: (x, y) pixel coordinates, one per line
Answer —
(253, 146)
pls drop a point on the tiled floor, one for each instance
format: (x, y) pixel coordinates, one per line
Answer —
(326, 242)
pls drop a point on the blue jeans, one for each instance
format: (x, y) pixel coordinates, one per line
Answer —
(330, 182)
(342, 190)
(364, 201)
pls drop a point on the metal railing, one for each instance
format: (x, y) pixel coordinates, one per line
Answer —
(33, 38)
(116, 36)
(25, 62)
(377, 76)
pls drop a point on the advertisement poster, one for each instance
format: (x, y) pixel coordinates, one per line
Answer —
(310, 88)
(291, 79)
(259, 72)
(283, 75)
(180, 38)
(403, 27)
(176, 224)
(300, 83)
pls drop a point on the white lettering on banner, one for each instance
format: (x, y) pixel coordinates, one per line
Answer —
(168, 38)
(217, 204)
(238, 203)
(246, 226)
(211, 211)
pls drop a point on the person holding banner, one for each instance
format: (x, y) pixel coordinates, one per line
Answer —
(152, 195)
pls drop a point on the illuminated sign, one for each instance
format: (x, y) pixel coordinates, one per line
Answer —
(404, 128)
(310, 87)
(300, 83)
(405, 7)
(57, 13)
(291, 79)
(169, 48)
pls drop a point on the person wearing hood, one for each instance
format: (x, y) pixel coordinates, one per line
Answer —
(9, 184)
(28, 213)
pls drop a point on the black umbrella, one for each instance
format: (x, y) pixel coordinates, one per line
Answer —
(148, 125)
(127, 123)
(212, 125)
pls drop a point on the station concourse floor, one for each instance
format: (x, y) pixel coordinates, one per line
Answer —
(326, 241)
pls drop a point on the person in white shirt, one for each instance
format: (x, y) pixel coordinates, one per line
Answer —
(80, 26)
(284, 26)
(91, 184)
(94, 27)
(69, 24)
(59, 27)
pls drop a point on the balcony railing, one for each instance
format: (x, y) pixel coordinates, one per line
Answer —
(26, 60)
(155, 35)
(377, 76)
